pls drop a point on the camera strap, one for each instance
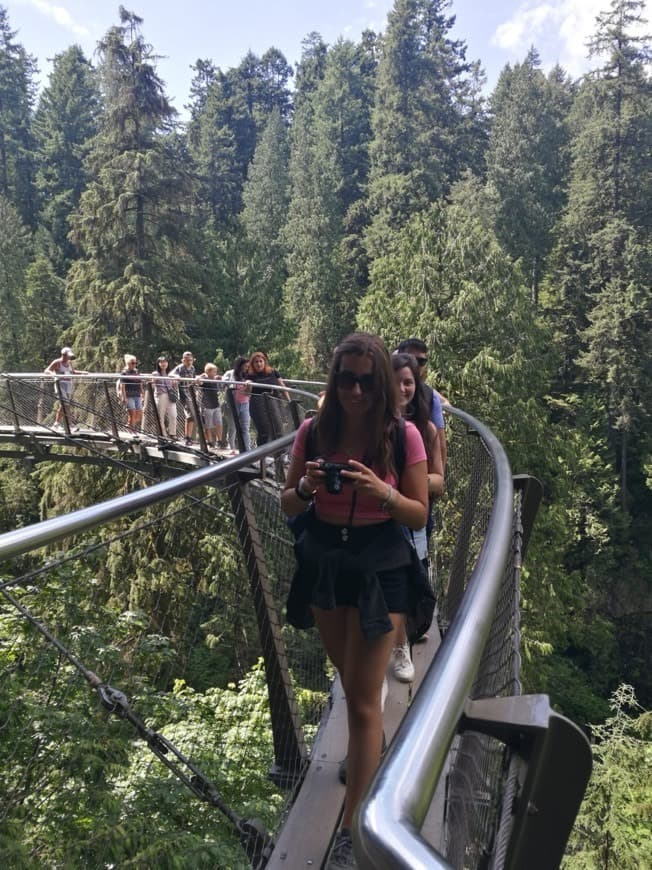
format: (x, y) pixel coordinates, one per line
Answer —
(345, 529)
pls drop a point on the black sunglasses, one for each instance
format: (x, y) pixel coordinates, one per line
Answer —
(347, 380)
(421, 361)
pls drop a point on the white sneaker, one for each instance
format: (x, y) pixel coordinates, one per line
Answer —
(402, 666)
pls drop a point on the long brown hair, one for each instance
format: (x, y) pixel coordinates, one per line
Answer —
(268, 369)
(383, 413)
(418, 410)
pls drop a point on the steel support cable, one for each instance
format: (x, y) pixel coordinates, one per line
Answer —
(253, 836)
(91, 548)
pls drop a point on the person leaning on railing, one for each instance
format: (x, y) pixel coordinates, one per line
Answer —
(63, 367)
(237, 378)
(357, 575)
(264, 414)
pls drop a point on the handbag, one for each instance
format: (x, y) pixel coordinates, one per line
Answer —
(173, 396)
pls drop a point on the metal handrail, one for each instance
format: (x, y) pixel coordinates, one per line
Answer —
(50, 531)
(147, 377)
(387, 834)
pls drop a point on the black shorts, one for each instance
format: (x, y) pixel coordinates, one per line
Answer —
(347, 585)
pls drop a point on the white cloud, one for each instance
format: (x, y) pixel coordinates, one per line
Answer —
(559, 30)
(61, 15)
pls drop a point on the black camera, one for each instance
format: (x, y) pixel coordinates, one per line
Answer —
(334, 479)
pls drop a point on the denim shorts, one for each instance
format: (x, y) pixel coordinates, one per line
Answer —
(135, 403)
(212, 417)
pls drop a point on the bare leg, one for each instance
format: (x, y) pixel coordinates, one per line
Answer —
(362, 665)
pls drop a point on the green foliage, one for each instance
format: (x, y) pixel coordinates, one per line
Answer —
(65, 120)
(528, 160)
(17, 87)
(419, 123)
(613, 827)
(15, 251)
(135, 286)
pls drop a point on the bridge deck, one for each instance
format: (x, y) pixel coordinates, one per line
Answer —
(41, 439)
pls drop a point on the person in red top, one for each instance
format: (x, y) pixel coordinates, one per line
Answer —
(354, 564)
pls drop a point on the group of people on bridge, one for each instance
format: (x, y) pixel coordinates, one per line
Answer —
(249, 378)
(363, 475)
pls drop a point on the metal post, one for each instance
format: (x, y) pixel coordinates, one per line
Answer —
(289, 745)
(114, 425)
(198, 420)
(152, 399)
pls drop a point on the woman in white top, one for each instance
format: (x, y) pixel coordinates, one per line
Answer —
(63, 368)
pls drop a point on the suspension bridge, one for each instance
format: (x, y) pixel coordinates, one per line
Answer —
(156, 710)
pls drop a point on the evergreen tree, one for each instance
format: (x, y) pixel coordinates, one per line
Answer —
(310, 69)
(604, 238)
(135, 286)
(418, 118)
(15, 252)
(528, 160)
(228, 114)
(265, 195)
(46, 315)
(329, 172)
(17, 70)
(65, 120)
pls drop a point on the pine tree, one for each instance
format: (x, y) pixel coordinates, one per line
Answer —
(15, 252)
(418, 118)
(65, 120)
(135, 286)
(46, 314)
(604, 237)
(528, 160)
(329, 171)
(265, 195)
(229, 112)
(17, 70)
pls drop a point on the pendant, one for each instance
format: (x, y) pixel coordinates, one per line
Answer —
(345, 534)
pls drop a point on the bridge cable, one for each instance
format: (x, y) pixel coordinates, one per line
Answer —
(253, 837)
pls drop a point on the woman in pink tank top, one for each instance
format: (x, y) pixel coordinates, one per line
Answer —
(355, 569)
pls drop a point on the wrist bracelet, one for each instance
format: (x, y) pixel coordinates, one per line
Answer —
(302, 495)
(388, 500)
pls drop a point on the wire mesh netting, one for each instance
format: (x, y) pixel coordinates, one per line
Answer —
(94, 406)
(477, 767)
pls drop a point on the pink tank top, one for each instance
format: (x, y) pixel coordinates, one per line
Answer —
(339, 506)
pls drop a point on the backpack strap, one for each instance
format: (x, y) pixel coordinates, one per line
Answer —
(399, 447)
(310, 451)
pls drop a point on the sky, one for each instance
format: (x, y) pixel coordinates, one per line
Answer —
(181, 31)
